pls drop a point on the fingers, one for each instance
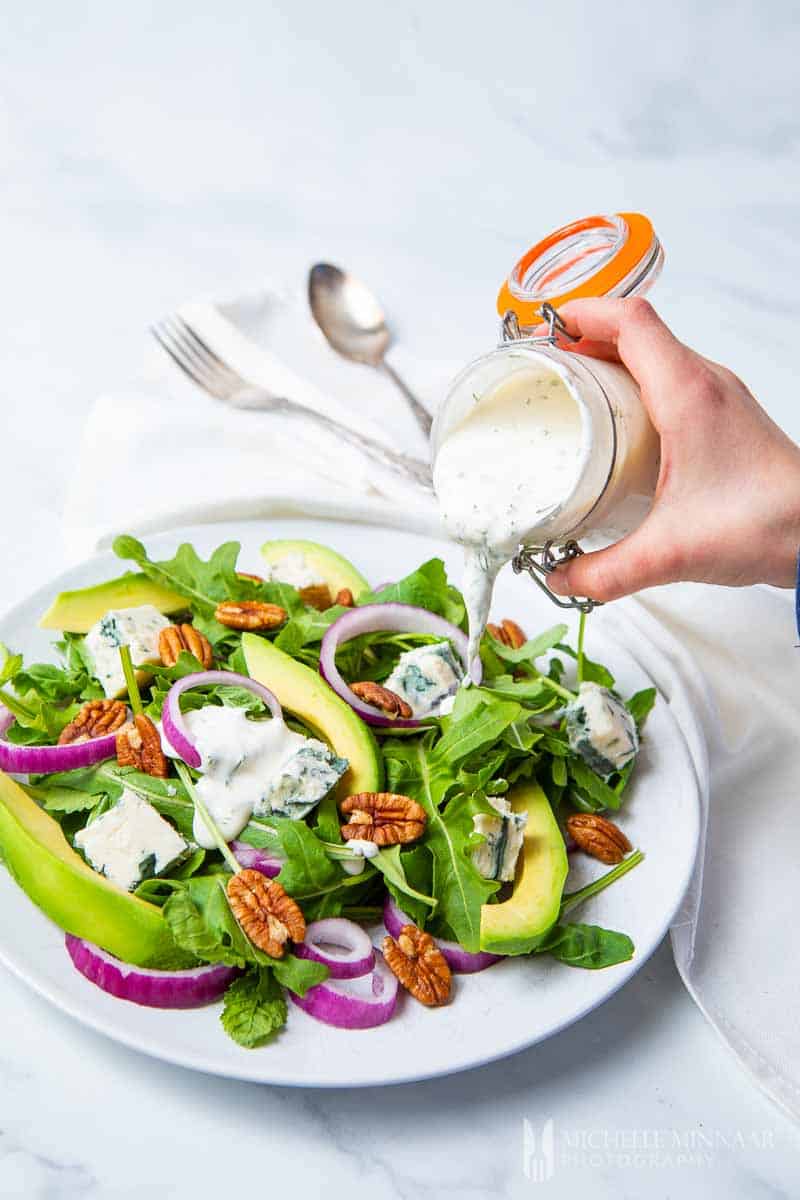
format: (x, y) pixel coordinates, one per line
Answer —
(645, 559)
(632, 331)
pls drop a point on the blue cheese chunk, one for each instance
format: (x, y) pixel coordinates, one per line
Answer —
(496, 857)
(302, 781)
(295, 570)
(601, 730)
(426, 677)
(130, 842)
(138, 628)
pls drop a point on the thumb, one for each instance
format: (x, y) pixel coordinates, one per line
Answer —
(638, 561)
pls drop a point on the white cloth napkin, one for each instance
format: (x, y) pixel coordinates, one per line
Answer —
(721, 658)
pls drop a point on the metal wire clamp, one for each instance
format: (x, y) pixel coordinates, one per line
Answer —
(540, 567)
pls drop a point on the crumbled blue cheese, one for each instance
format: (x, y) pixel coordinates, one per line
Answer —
(295, 570)
(496, 857)
(130, 842)
(426, 677)
(302, 781)
(138, 628)
(601, 730)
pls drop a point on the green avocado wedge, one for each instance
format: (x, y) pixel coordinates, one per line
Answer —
(307, 695)
(517, 925)
(77, 611)
(68, 891)
(337, 572)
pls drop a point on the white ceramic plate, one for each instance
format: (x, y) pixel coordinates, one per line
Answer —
(492, 1014)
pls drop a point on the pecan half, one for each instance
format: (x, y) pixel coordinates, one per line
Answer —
(598, 836)
(96, 718)
(247, 575)
(419, 964)
(139, 746)
(175, 638)
(380, 697)
(268, 917)
(383, 817)
(316, 595)
(250, 614)
(344, 597)
(508, 633)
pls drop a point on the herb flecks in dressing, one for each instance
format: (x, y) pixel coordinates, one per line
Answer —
(502, 472)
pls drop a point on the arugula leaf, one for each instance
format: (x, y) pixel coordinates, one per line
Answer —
(204, 584)
(588, 946)
(299, 974)
(10, 665)
(532, 649)
(593, 672)
(427, 587)
(307, 871)
(416, 769)
(254, 1008)
(591, 792)
(389, 862)
(481, 727)
(201, 921)
(640, 705)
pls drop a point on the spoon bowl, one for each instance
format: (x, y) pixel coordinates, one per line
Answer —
(354, 325)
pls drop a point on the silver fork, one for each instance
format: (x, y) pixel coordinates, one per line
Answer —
(208, 371)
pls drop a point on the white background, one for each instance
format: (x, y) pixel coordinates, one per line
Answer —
(157, 152)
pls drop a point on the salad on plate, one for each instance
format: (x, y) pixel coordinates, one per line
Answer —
(283, 784)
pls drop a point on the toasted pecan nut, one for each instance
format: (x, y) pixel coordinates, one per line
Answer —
(175, 638)
(139, 746)
(380, 697)
(508, 633)
(598, 836)
(344, 597)
(386, 818)
(250, 614)
(419, 964)
(268, 917)
(96, 719)
(316, 595)
(247, 575)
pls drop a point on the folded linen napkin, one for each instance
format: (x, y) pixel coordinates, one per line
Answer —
(720, 657)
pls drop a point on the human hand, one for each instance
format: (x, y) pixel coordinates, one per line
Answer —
(727, 502)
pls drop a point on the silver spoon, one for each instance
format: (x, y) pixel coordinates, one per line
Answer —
(352, 320)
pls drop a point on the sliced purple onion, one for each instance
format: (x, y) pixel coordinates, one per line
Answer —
(360, 1003)
(152, 989)
(172, 720)
(257, 860)
(44, 760)
(461, 961)
(341, 945)
(386, 618)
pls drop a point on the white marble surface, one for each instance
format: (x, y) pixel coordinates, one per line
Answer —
(159, 152)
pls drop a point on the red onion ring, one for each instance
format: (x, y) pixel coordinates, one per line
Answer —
(44, 760)
(360, 1003)
(461, 961)
(347, 952)
(172, 720)
(382, 618)
(153, 989)
(257, 860)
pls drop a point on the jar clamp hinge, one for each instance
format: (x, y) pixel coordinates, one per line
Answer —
(541, 561)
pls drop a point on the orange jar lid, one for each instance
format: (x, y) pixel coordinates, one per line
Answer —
(618, 255)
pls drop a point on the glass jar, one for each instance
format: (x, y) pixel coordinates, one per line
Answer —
(619, 456)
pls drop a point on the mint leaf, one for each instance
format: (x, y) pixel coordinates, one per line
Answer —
(254, 1008)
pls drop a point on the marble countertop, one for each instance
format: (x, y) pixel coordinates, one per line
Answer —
(155, 154)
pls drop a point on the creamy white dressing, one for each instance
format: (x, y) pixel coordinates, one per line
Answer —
(503, 471)
(362, 849)
(239, 760)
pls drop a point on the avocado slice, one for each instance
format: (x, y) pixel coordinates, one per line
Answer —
(337, 572)
(77, 611)
(57, 879)
(304, 693)
(516, 925)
